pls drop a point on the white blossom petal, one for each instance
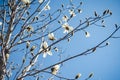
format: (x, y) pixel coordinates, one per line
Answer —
(0, 23)
(44, 55)
(57, 67)
(26, 1)
(40, 1)
(51, 36)
(49, 53)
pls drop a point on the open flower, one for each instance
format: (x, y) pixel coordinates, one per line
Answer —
(54, 69)
(51, 36)
(26, 1)
(47, 7)
(67, 28)
(65, 18)
(45, 49)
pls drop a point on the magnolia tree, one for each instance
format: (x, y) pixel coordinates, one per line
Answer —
(27, 35)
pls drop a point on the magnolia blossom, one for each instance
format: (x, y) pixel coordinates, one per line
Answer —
(87, 34)
(47, 7)
(45, 49)
(55, 69)
(67, 28)
(40, 1)
(26, 1)
(65, 18)
(51, 36)
(0, 23)
(72, 13)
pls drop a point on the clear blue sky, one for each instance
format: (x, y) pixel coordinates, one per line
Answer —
(104, 63)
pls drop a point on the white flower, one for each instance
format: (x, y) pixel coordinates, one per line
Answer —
(47, 7)
(87, 34)
(26, 1)
(72, 13)
(40, 1)
(0, 23)
(51, 36)
(45, 49)
(67, 28)
(65, 18)
(55, 69)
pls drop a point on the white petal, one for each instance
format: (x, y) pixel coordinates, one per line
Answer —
(49, 53)
(45, 44)
(47, 7)
(65, 31)
(57, 67)
(44, 55)
(0, 23)
(51, 36)
(40, 1)
(26, 1)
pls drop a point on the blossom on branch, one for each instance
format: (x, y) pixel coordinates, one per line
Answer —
(44, 48)
(47, 7)
(67, 28)
(51, 36)
(54, 69)
(26, 1)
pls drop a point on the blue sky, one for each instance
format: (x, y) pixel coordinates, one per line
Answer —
(104, 62)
